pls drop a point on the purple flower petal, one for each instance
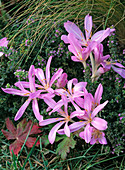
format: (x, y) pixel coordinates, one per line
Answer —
(16, 92)
(56, 76)
(79, 86)
(52, 134)
(74, 29)
(102, 139)
(35, 108)
(67, 130)
(98, 108)
(49, 121)
(87, 133)
(74, 58)
(69, 84)
(99, 123)
(98, 94)
(32, 78)
(120, 71)
(88, 26)
(40, 75)
(22, 109)
(101, 35)
(48, 69)
(4, 42)
(65, 39)
(93, 141)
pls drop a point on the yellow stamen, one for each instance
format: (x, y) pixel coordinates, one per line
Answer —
(26, 94)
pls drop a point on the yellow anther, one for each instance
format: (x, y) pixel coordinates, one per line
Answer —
(26, 94)
(86, 30)
(67, 118)
(91, 34)
(108, 62)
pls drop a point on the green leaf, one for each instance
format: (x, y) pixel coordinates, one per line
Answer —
(64, 146)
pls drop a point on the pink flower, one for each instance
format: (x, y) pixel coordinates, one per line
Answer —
(97, 97)
(32, 95)
(98, 53)
(3, 43)
(90, 117)
(74, 29)
(80, 54)
(62, 81)
(92, 106)
(73, 94)
(120, 69)
(45, 79)
(62, 120)
(96, 136)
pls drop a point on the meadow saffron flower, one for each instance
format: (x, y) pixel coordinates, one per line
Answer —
(97, 97)
(96, 136)
(32, 95)
(80, 54)
(74, 29)
(98, 55)
(62, 121)
(117, 67)
(3, 43)
(91, 118)
(62, 81)
(73, 94)
(45, 79)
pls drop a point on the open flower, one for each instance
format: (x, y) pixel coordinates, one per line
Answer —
(80, 54)
(97, 97)
(91, 118)
(73, 94)
(3, 43)
(74, 29)
(62, 121)
(45, 79)
(96, 135)
(32, 95)
(117, 67)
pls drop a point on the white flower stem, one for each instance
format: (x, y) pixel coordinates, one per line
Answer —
(84, 64)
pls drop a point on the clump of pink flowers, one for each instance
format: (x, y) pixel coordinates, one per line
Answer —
(84, 115)
(90, 45)
(86, 107)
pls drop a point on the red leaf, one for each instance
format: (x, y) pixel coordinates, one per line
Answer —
(20, 133)
(35, 129)
(10, 126)
(16, 147)
(21, 126)
(30, 142)
(8, 135)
